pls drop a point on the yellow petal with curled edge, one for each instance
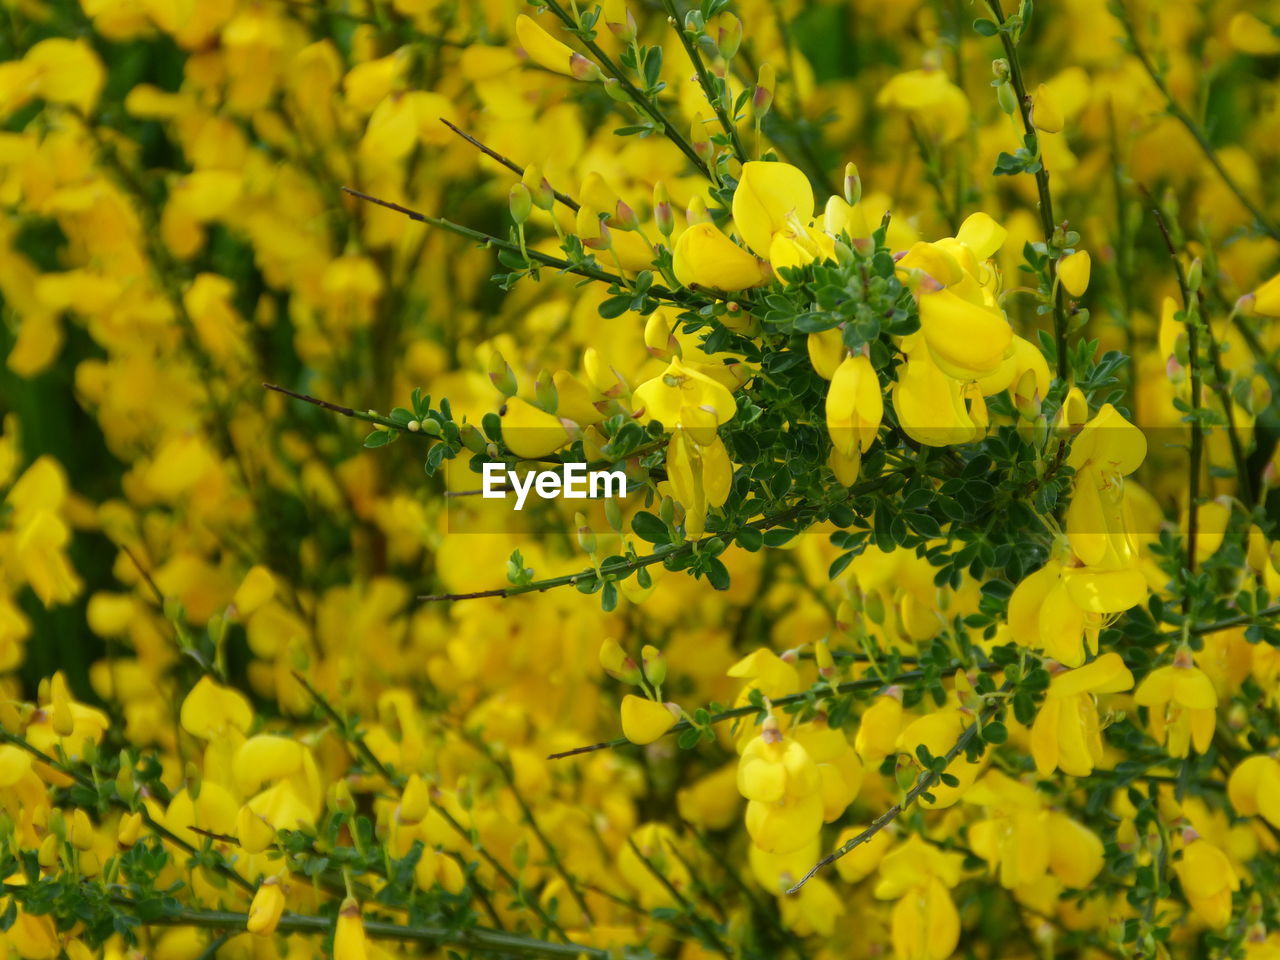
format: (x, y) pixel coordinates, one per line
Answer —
(1062, 627)
(644, 721)
(929, 403)
(1109, 442)
(785, 826)
(840, 218)
(770, 197)
(1156, 689)
(1269, 793)
(706, 257)
(1027, 599)
(67, 71)
(933, 260)
(211, 710)
(1044, 737)
(1111, 591)
(542, 48)
(826, 351)
(925, 924)
(855, 405)
(263, 758)
(529, 432)
(967, 341)
(1250, 35)
(681, 385)
(846, 467)
(1075, 852)
(717, 473)
(1244, 784)
(257, 587)
(761, 773)
(574, 399)
(1193, 689)
(1106, 674)
(981, 234)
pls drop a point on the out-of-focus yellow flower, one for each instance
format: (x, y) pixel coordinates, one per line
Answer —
(1073, 272)
(931, 100)
(1207, 879)
(1250, 35)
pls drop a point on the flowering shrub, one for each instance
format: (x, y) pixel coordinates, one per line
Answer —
(936, 343)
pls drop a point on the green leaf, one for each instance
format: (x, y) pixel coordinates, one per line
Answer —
(379, 438)
(986, 28)
(651, 528)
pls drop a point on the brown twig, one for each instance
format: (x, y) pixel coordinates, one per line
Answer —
(511, 165)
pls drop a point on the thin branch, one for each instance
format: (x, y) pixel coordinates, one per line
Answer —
(1047, 222)
(17, 740)
(926, 780)
(710, 88)
(477, 938)
(656, 291)
(698, 920)
(655, 113)
(1182, 116)
(1191, 315)
(511, 165)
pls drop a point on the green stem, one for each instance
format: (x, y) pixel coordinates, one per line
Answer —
(644, 103)
(925, 781)
(710, 87)
(1047, 222)
(476, 938)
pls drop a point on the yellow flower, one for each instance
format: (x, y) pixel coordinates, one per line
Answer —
(349, 941)
(531, 433)
(1181, 702)
(211, 710)
(644, 721)
(682, 395)
(266, 908)
(1207, 879)
(939, 732)
(930, 405)
(706, 257)
(932, 101)
(1073, 272)
(1254, 788)
(543, 49)
(1066, 734)
(1250, 35)
(855, 406)
(1046, 115)
(879, 727)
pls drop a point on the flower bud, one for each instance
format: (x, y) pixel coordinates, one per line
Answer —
(1007, 99)
(349, 938)
(471, 438)
(540, 191)
(586, 538)
(700, 139)
(430, 427)
(626, 30)
(1000, 69)
(1195, 275)
(520, 201)
(501, 375)
(697, 211)
(662, 209)
(129, 829)
(81, 832)
(852, 185)
(655, 664)
(825, 661)
(1073, 272)
(266, 908)
(583, 69)
(624, 218)
(60, 702)
(616, 91)
(545, 393)
(762, 99)
(730, 38)
(415, 801)
(47, 854)
(617, 664)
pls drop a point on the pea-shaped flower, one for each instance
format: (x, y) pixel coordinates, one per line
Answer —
(1066, 734)
(1181, 702)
